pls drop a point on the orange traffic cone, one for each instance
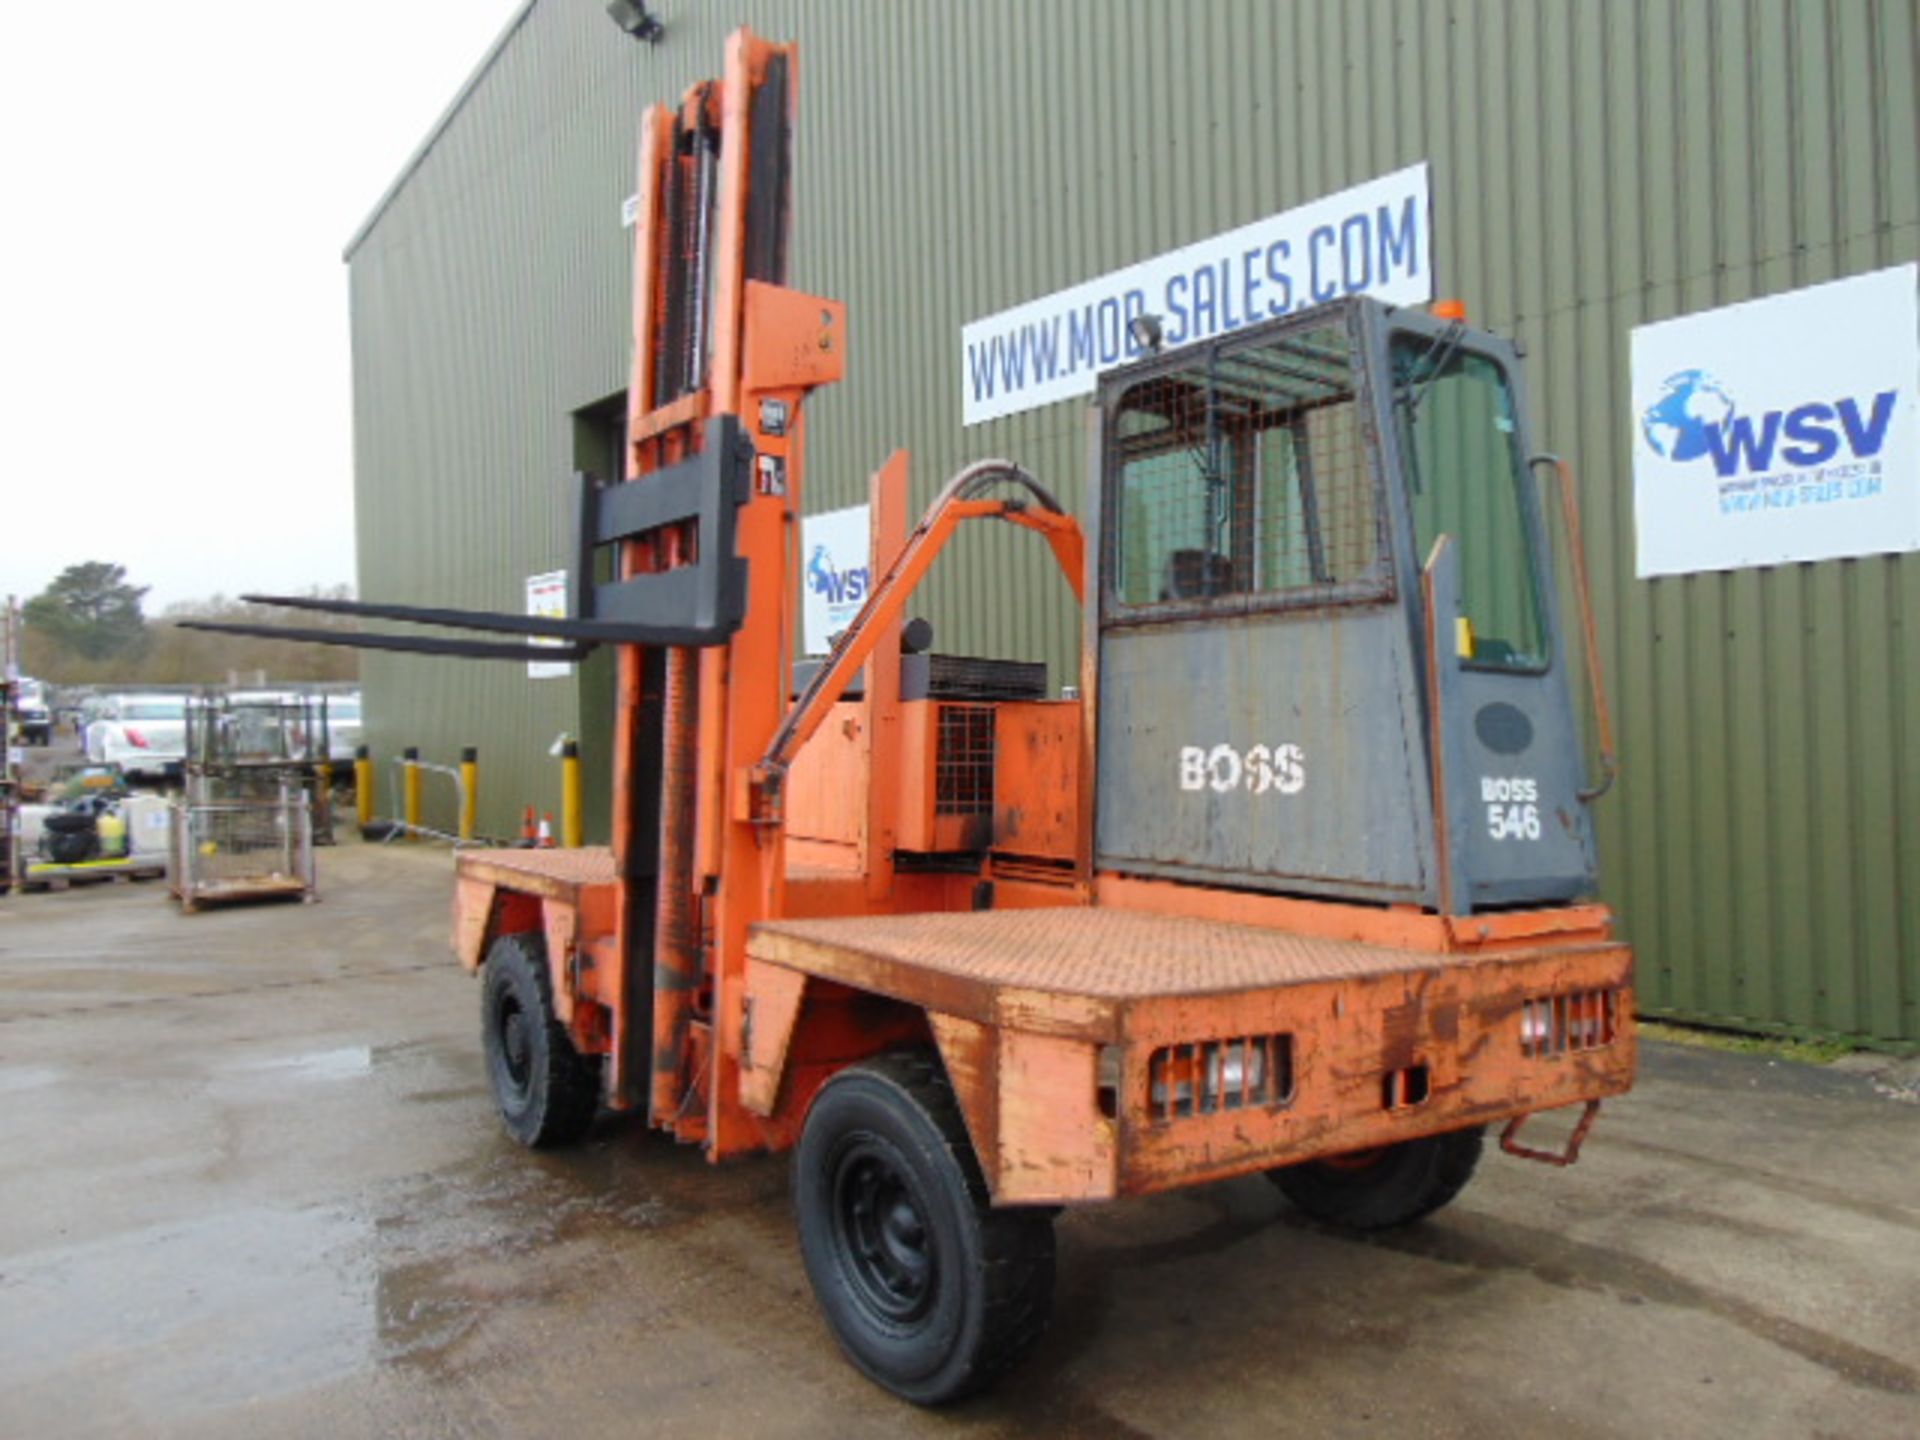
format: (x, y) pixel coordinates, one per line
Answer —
(544, 838)
(527, 833)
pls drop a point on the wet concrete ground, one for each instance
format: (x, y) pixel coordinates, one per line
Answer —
(251, 1185)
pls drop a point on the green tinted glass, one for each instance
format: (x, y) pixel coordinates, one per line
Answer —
(1460, 444)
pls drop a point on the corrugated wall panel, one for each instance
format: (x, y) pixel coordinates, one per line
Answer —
(1595, 167)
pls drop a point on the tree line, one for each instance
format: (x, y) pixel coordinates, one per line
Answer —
(89, 627)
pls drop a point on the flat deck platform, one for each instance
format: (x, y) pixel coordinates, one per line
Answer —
(587, 865)
(1073, 970)
(559, 874)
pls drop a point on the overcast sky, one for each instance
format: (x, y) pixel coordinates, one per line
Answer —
(181, 181)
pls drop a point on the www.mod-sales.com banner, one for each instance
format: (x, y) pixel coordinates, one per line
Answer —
(1373, 239)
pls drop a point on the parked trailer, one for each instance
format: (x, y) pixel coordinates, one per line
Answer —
(1294, 882)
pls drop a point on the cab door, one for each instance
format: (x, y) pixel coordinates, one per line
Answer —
(1504, 747)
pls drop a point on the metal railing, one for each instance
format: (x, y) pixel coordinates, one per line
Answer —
(408, 773)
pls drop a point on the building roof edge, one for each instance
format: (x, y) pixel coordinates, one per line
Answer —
(439, 128)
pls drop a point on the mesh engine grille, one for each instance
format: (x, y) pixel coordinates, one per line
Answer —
(963, 764)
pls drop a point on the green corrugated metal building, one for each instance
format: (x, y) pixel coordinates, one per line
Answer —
(1593, 167)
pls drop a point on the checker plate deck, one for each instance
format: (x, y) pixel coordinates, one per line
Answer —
(560, 873)
(1073, 969)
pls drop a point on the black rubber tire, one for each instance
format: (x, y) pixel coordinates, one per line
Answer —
(931, 1292)
(547, 1091)
(70, 837)
(1380, 1189)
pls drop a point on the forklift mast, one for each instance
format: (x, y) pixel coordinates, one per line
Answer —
(705, 518)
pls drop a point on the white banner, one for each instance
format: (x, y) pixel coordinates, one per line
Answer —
(1780, 429)
(1373, 239)
(547, 598)
(836, 575)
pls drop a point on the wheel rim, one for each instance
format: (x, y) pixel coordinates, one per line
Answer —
(881, 1233)
(516, 1046)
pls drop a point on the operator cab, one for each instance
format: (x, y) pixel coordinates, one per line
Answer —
(1324, 532)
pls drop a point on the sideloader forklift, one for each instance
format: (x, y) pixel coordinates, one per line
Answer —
(1293, 882)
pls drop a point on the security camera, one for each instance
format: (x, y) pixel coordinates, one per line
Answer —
(632, 17)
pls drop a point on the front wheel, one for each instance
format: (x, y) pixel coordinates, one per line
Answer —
(547, 1091)
(1384, 1187)
(930, 1291)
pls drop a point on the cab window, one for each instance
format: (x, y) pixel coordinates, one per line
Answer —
(1460, 445)
(1244, 474)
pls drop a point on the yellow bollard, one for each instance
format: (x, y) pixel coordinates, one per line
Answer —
(570, 821)
(411, 755)
(469, 789)
(363, 784)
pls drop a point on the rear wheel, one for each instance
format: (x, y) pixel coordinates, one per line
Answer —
(547, 1091)
(1384, 1187)
(930, 1291)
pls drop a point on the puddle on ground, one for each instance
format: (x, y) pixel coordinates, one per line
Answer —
(194, 1314)
(207, 1313)
(421, 1312)
(509, 1202)
(345, 1062)
(446, 1245)
(16, 1078)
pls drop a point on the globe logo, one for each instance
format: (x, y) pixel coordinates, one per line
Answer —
(1691, 410)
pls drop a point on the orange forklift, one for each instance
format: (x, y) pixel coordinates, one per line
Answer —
(1293, 879)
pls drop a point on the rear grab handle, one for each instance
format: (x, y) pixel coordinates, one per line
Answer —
(1583, 592)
